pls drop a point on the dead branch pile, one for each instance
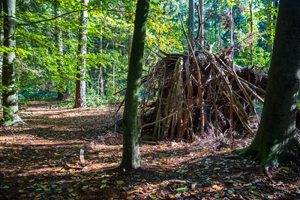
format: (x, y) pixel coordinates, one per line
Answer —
(226, 89)
(183, 82)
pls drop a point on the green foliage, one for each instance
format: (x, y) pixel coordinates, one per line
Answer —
(96, 101)
(42, 69)
(34, 96)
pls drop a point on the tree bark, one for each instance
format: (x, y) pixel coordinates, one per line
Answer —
(251, 32)
(80, 99)
(201, 39)
(231, 27)
(131, 155)
(100, 78)
(1, 38)
(276, 136)
(10, 95)
(58, 38)
(269, 18)
(191, 20)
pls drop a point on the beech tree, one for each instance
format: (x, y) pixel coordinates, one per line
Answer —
(276, 137)
(10, 95)
(59, 45)
(80, 99)
(191, 19)
(131, 155)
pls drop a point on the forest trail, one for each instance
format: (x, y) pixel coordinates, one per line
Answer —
(41, 160)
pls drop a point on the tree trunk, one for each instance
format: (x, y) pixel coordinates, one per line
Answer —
(276, 136)
(202, 20)
(129, 48)
(191, 20)
(100, 78)
(231, 27)
(269, 18)
(251, 32)
(80, 99)
(131, 155)
(1, 38)
(58, 39)
(10, 95)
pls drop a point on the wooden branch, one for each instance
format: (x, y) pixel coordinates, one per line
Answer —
(253, 86)
(148, 142)
(198, 73)
(243, 89)
(253, 93)
(152, 123)
(173, 54)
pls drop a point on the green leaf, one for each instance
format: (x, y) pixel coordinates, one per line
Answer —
(182, 189)
(102, 186)
(84, 187)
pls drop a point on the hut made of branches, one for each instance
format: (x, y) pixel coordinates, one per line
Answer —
(222, 91)
(227, 91)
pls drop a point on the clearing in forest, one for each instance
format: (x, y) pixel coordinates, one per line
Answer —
(41, 160)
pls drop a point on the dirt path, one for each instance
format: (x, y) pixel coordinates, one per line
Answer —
(41, 160)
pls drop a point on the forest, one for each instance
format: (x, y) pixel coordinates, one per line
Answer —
(149, 99)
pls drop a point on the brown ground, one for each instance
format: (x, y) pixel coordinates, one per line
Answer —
(41, 161)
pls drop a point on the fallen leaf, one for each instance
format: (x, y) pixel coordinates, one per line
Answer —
(182, 189)
(120, 182)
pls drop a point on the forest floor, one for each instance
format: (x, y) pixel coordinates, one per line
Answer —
(41, 160)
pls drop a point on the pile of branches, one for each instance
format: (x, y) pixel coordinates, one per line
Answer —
(178, 84)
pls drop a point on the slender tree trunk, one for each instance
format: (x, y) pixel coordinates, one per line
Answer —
(216, 30)
(276, 136)
(191, 20)
(1, 38)
(58, 38)
(10, 95)
(100, 78)
(251, 32)
(1, 53)
(131, 155)
(231, 27)
(129, 48)
(80, 99)
(269, 18)
(202, 20)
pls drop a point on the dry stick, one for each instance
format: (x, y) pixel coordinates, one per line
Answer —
(149, 91)
(298, 131)
(253, 86)
(240, 116)
(243, 112)
(199, 76)
(237, 103)
(243, 89)
(166, 124)
(175, 101)
(253, 93)
(189, 95)
(140, 109)
(154, 52)
(215, 99)
(173, 54)
(153, 123)
(158, 116)
(179, 97)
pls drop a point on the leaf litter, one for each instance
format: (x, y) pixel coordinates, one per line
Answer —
(42, 161)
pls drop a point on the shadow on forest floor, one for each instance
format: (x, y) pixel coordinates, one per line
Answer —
(33, 157)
